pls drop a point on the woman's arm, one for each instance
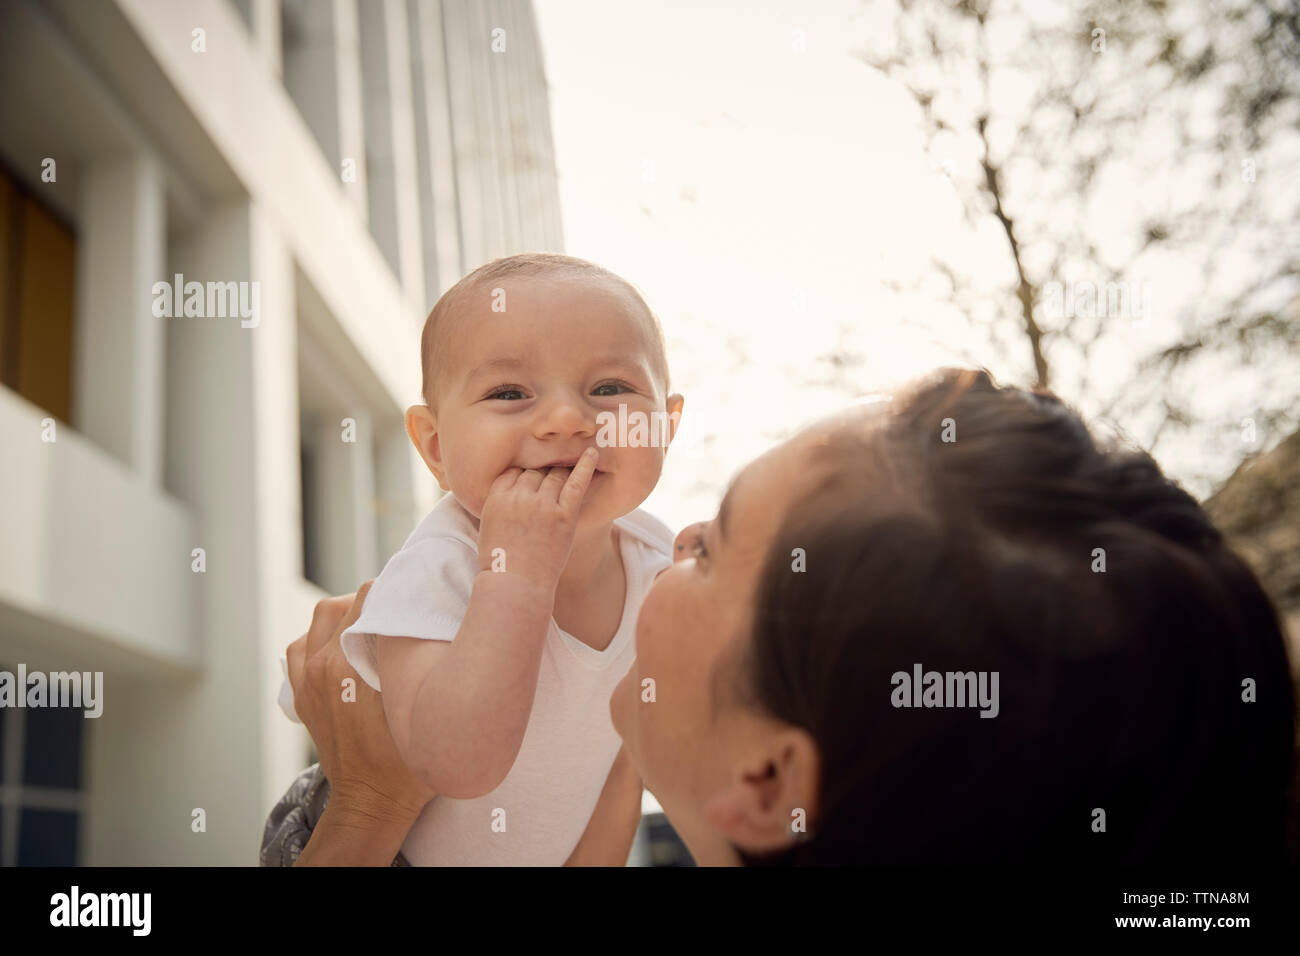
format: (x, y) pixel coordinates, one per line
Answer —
(374, 799)
(349, 835)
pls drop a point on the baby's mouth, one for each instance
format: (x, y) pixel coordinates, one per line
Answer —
(564, 463)
(598, 473)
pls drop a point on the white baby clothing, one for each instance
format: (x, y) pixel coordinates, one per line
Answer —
(537, 814)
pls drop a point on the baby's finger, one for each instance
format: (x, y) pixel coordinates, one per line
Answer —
(575, 488)
(506, 480)
(553, 482)
(531, 480)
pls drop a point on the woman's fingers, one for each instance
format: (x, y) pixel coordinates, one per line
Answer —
(354, 612)
(296, 658)
(333, 616)
(324, 620)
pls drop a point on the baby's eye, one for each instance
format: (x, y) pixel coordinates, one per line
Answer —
(619, 386)
(505, 391)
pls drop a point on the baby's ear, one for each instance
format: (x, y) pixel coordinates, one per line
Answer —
(422, 429)
(675, 403)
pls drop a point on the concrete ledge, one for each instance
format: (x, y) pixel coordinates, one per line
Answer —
(90, 550)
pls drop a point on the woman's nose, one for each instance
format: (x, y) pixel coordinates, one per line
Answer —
(684, 545)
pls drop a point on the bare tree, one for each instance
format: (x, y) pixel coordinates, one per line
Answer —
(1046, 116)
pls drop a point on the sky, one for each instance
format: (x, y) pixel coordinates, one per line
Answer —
(764, 188)
(752, 191)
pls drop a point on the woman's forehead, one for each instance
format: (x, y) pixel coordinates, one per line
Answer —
(772, 481)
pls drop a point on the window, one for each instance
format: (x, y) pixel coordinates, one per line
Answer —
(340, 520)
(311, 563)
(41, 796)
(318, 43)
(359, 500)
(37, 276)
(662, 845)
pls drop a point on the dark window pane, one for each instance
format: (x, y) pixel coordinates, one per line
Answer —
(666, 847)
(47, 838)
(36, 316)
(52, 752)
(310, 570)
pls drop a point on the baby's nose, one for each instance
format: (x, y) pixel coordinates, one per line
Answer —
(562, 416)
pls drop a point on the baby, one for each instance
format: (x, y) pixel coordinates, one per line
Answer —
(499, 630)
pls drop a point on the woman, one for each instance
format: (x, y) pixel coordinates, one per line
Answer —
(949, 629)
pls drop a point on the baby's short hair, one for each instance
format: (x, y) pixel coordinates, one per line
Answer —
(433, 360)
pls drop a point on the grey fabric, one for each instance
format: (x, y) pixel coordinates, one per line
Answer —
(295, 815)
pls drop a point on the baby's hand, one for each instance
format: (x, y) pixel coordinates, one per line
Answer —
(531, 516)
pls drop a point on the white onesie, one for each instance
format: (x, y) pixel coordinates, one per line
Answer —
(540, 810)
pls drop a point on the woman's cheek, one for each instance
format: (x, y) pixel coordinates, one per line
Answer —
(620, 704)
(666, 615)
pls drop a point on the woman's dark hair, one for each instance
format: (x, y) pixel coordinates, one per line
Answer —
(1143, 682)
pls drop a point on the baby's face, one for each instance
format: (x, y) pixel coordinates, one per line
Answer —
(525, 386)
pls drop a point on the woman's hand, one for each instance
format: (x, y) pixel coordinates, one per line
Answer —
(374, 799)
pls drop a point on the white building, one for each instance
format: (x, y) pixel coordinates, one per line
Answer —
(349, 159)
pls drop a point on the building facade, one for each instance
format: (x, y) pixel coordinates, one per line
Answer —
(221, 226)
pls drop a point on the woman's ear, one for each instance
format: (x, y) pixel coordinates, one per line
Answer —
(422, 429)
(770, 800)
